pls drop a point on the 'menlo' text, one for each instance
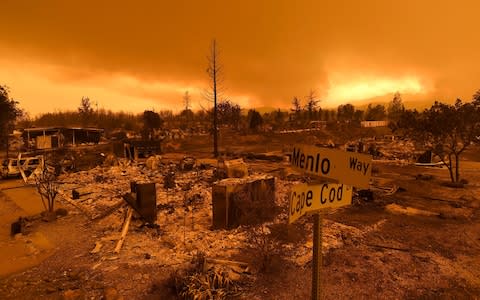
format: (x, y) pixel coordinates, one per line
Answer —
(312, 163)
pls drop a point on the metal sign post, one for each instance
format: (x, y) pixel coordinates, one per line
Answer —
(317, 256)
(344, 167)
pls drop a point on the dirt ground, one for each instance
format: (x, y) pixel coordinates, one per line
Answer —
(421, 242)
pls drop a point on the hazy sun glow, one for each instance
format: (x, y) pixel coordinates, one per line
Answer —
(341, 91)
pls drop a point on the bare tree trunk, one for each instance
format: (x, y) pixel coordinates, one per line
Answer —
(449, 164)
(457, 168)
(43, 201)
(450, 168)
(52, 203)
(214, 72)
(215, 116)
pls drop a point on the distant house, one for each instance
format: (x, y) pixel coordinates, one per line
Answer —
(135, 149)
(57, 137)
(374, 123)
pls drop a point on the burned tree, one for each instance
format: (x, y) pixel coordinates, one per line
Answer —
(395, 108)
(312, 103)
(255, 120)
(279, 118)
(296, 109)
(375, 113)
(186, 100)
(47, 187)
(151, 121)
(229, 113)
(187, 114)
(214, 71)
(447, 130)
(85, 110)
(345, 112)
(8, 114)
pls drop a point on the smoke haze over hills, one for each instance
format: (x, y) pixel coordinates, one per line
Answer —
(145, 55)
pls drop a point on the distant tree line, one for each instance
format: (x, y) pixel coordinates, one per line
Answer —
(229, 114)
(300, 115)
(447, 130)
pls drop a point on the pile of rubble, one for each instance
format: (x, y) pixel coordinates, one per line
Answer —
(185, 213)
(400, 151)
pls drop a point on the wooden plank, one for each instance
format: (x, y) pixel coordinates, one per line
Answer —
(124, 230)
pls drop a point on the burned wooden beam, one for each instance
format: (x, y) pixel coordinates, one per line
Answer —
(77, 194)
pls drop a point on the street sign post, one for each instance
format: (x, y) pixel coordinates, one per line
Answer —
(317, 256)
(306, 198)
(346, 167)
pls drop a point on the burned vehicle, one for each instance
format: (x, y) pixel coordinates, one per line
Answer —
(13, 167)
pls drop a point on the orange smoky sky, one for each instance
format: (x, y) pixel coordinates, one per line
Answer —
(137, 55)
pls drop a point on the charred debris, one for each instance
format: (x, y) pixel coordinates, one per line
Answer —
(199, 215)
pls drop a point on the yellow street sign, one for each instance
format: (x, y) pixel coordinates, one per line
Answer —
(306, 198)
(346, 167)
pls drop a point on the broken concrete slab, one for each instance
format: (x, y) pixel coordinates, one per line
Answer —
(236, 168)
(153, 162)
